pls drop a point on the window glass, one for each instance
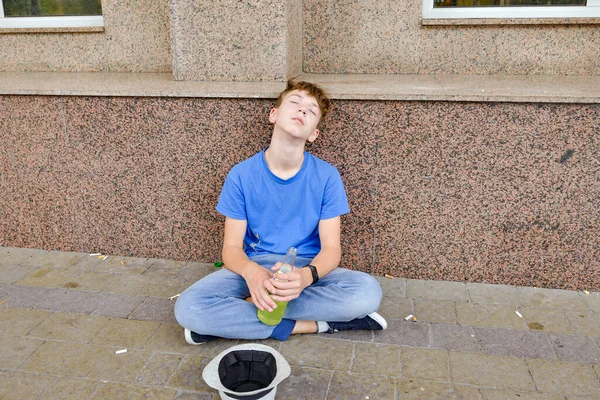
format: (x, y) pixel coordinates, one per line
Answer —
(506, 3)
(48, 8)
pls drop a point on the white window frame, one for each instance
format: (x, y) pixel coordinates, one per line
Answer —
(591, 10)
(80, 21)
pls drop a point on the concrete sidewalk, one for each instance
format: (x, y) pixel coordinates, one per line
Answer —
(63, 315)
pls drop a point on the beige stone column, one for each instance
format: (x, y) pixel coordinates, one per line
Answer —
(231, 40)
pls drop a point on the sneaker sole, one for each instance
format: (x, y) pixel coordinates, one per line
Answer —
(379, 319)
(188, 337)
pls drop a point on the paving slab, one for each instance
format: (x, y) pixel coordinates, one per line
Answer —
(155, 309)
(112, 390)
(192, 272)
(126, 284)
(169, 338)
(405, 333)
(346, 385)
(189, 375)
(500, 394)
(425, 364)
(564, 378)
(592, 300)
(117, 305)
(15, 350)
(158, 369)
(552, 298)
(575, 348)
(114, 264)
(492, 371)
(54, 259)
(17, 296)
(305, 383)
(435, 311)
(88, 263)
(86, 302)
(90, 281)
(489, 315)
(453, 337)
(462, 346)
(15, 255)
(124, 333)
(164, 269)
(46, 277)
(77, 328)
(19, 322)
(304, 350)
(547, 320)
(160, 287)
(410, 389)
(65, 358)
(511, 342)
(71, 389)
(18, 385)
(395, 307)
(437, 290)
(122, 367)
(68, 300)
(585, 322)
(395, 287)
(378, 359)
(11, 273)
(184, 395)
(481, 293)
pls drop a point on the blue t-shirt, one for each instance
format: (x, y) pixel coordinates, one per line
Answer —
(283, 213)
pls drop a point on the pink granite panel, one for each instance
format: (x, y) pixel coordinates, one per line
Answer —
(542, 182)
(154, 169)
(483, 192)
(33, 210)
(346, 143)
(430, 224)
(502, 193)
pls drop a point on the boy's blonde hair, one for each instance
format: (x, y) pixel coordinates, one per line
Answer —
(313, 90)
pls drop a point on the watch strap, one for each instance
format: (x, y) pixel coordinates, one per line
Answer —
(315, 274)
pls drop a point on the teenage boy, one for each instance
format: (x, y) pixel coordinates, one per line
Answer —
(282, 197)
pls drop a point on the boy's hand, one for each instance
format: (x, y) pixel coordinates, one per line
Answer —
(290, 285)
(259, 283)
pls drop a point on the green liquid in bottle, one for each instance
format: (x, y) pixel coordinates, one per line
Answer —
(274, 317)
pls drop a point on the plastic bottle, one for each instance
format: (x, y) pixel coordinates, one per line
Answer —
(274, 317)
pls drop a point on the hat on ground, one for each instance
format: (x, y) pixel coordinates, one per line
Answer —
(247, 372)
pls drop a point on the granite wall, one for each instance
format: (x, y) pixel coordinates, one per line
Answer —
(482, 192)
(271, 40)
(386, 37)
(136, 38)
(229, 40)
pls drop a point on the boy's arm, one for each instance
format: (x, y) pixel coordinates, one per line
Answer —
(235, 259)
(331, 249)
(325, 261)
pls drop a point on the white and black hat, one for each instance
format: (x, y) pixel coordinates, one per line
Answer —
(247, 372)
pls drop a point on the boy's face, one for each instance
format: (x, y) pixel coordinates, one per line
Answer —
(298, 114)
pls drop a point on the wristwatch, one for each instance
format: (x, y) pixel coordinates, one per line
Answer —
(313, 270)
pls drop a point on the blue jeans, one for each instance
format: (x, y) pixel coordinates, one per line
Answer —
(216, 305)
